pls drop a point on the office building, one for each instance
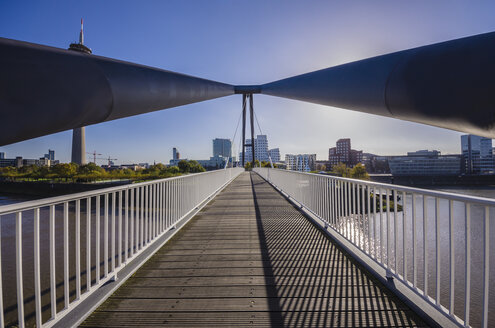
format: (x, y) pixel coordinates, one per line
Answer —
(222, 147)
(18, 161)
(342, 153)
(274, 155)
(175, 153)
(300, 162)
(51, 155)
(175, 157)
(215, 162)
(477, 155)
(426, 163)
(6, 162)
(260, 149)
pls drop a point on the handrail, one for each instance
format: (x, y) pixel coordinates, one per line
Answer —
(407, 234)
(31, 204)
(108, 228)
(433, 193)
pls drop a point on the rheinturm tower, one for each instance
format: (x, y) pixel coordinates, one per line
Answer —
(79, 134)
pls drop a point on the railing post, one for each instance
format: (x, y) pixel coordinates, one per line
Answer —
(88, 244)
(78, 249)
(2, 316)
(53, 285)
(18, 251)
(467, 296)
(66, 255)
(486, 266)
(37, 288)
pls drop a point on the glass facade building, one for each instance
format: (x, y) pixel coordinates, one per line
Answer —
(424, 162)
(477, 155)
(222, 147)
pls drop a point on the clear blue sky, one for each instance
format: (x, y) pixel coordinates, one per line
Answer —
(244, 42)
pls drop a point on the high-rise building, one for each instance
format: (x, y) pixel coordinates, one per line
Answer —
(300, 162)
(51, 155)
(175, 153)
(260, 149)
(343, 153)
(175, 157)
(477, 155)
(274, 155)
(222, 147)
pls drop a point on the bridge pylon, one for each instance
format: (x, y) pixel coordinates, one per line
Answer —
(245, 97)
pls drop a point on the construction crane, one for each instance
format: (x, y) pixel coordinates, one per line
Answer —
(107, 159)
(94, 153)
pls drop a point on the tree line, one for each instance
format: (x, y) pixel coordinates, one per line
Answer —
(249, 165)
(71, 172)
(357, 172)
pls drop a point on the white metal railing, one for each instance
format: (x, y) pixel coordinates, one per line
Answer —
(116, 224)
(435, 243)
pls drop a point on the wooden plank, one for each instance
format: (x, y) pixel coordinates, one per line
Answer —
(254, 319)
(249, 304)
(206, 263)
(246, 291)
(252, 280)
(302, 273)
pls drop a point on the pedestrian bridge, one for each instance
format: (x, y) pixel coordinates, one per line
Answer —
(234, 248)
(250, 258)
(274, 247)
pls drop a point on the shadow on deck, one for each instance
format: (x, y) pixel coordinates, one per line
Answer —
(251, 259)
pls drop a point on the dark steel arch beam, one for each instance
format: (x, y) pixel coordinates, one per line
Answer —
(44, 90)
(449, 85)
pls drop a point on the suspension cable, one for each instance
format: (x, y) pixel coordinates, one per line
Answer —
(259, 127)
(232, 143)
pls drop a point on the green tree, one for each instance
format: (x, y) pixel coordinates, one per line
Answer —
(195, 167)
(173, 170)
(359, 172)
(184, 166)
(65, 170)
(341, 170)
(90, 172)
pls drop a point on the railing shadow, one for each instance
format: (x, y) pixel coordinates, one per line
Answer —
(271, 290)
(312, 282)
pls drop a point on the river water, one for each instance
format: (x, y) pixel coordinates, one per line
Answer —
(8, 253)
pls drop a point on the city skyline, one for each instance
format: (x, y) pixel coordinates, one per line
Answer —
(325, 35)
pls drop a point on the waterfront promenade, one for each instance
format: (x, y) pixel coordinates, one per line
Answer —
(252, 259)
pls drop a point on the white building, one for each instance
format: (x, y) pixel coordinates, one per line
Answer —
(300, 162)
(260, 149)
(274, 154)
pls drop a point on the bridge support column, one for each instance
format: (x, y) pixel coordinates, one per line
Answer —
(251, 111)
(243, 129)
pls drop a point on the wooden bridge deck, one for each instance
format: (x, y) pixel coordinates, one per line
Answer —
(251, 259)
